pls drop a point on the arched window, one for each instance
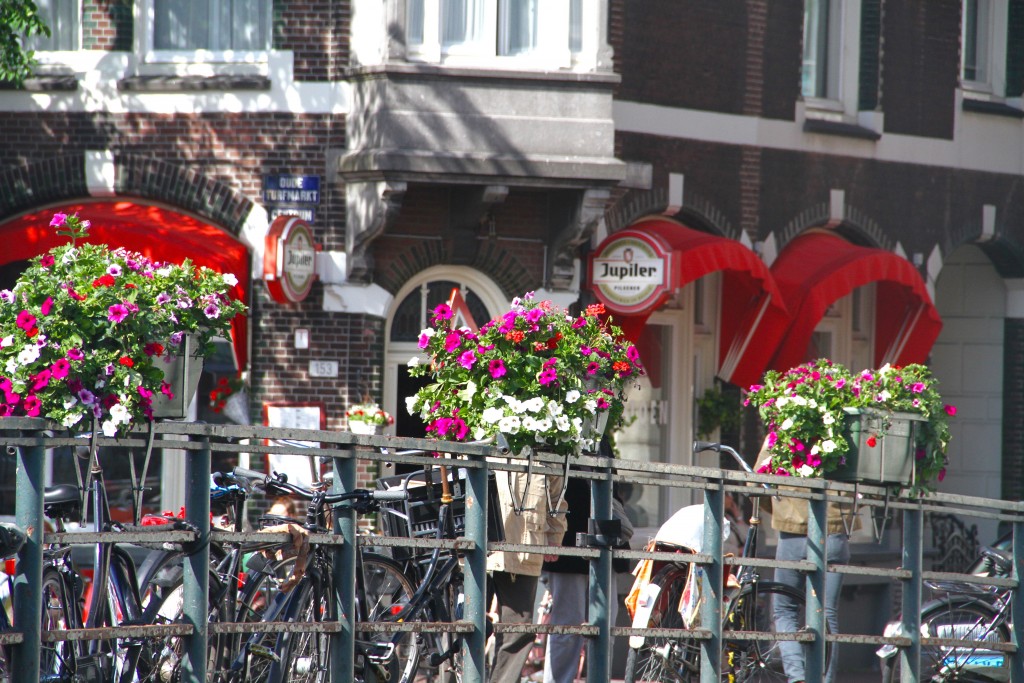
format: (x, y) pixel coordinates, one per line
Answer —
(411, 312)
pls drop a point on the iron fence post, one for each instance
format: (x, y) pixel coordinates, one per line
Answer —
(910, 657)
(711, 587)
(599, 647)
(475, 572)
(28, 583)
(343, 647)
(817, 543)
(196, 586)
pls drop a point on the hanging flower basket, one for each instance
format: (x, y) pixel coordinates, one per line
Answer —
(881, 447)
(181, 372)
(364, 428)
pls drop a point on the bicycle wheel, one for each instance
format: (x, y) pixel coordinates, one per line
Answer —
(57, 660)
(447, 645)
(746, 660)
(305, 655)
(387, 591)
(660, 658)
(968, 619)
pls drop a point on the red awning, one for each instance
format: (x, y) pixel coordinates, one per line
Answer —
(157, 232)
(753, 316)
(818, 268)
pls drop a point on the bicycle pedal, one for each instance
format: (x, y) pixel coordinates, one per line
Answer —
(263, 652)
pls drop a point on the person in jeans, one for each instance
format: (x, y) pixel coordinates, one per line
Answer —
(789, 519)
(569, 582)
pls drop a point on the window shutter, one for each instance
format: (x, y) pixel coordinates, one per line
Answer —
(1015, 50)
(870, 54)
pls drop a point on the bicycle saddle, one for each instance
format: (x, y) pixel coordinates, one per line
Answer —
(62, 501)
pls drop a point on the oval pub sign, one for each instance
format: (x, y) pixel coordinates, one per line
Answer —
(628, 272)
(289, 259)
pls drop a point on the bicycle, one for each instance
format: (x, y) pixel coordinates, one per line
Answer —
(748, 608)
(965, 611)
(383, 593)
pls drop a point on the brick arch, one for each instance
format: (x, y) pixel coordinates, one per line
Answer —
(501, 266)
(61, 178)
(856, 226)
(696, 211)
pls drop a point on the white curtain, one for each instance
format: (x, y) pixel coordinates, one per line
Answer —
(62, 18)
(518, 26)
(462, 21)
(211, 24)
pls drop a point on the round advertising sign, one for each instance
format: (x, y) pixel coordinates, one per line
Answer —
(628, 272)
(289, 259)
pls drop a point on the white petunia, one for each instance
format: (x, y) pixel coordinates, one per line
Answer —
(71, 419)
(782, 401)
(509, 425)
(28, 354)
(70, 401)
(805, 471)
(534, 404)
(109, 428)
(413, 362)
(572, 396)
(410, 404)
(787, 424)
(828, 418)
(6, 341)
(590, 405)
(428, 332)
(492, 415)
(230, 280)
(828, 445)
(562, 423)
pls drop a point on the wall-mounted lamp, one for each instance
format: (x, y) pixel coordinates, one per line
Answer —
(301, 338)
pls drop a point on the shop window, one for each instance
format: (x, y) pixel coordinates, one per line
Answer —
(63, 17)
(518, 31)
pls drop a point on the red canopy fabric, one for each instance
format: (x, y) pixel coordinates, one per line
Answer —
(818, 268)
(753, 315)
(156, 232)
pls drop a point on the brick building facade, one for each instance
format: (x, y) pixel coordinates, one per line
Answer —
(497, 156)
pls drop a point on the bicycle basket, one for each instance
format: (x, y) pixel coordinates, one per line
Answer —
(417, 516)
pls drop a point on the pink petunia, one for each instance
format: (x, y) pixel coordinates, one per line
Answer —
(47, 306)
(58, 220)
(424, 341)
(32, 406)
(468, 359)
(497, 368)
(117, 313)
(547, 376)
(950, 410)
(442, 312)
(46, 261)
(451, 341)
(60, 368)
(26, 320)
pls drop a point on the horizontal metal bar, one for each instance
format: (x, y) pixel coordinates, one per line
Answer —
(109, 632)
(11, 638)
(94, 537)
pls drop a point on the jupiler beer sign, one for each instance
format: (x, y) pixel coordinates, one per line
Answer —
(289, 259)
(629, 272)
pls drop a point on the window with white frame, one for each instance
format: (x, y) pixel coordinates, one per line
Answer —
(819, 76)
(484, 32)
(185, 33)
(63, 17)
(830, 70)
(983, 46)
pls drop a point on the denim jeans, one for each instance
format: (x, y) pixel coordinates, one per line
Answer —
(789, 617)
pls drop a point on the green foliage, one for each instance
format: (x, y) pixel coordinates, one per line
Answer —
(18, 19)
(715, 409)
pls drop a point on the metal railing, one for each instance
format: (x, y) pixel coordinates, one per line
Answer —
(29, 439)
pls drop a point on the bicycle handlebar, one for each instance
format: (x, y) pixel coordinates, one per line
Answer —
(279, 483)
(701, 446)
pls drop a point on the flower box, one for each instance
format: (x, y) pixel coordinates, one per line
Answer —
(366, 428)
(182, 371)
(881, 447)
